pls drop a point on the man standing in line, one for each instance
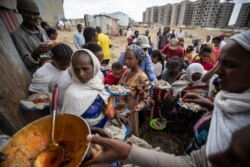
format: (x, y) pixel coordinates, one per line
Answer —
(90, 35)
(105, 43)
(30, 39)
(165, 37)
(79, 40)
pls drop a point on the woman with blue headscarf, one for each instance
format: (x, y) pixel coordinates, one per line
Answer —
(137, 81)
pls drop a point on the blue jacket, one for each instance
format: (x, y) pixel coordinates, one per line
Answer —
(145, 66)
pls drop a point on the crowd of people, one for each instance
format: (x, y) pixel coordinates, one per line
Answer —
(211, 74)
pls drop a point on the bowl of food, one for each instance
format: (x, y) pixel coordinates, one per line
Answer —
(191, 107)
(118, 90)
(70, 132)
(161, 84)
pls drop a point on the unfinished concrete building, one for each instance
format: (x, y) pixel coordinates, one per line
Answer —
(224, 14)
(164, 16)
(144, 17)
(153, 16)
(197, 12)
(148, 13)
(156, 12)
(209, 13)
(243, 20)
(175, 14)
(186, 12)
(205, 13)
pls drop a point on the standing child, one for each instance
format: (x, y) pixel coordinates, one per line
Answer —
(114, 75)
(52, 33)
(188, 58)
(205, 58)
(158, 63)
(45, 78)
(216, 49)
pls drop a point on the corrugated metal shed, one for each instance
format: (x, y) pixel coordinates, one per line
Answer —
(14, 80)
(10, 4)
(49, 10)
(123, 19)
(108, 24)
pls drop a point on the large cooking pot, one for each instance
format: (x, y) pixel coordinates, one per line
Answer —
(70, 132)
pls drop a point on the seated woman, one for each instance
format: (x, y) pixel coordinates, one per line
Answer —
(172, 107)
(86, 95)
(45, 78)
(137, 81)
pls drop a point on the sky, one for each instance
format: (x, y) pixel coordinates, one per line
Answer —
(133, 8)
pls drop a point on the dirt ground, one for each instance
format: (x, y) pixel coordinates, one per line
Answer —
(119, 42)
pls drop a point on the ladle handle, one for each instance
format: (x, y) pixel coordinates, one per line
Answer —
(54, 108)
(55, 97)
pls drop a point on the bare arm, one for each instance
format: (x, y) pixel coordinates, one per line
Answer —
(206, 78)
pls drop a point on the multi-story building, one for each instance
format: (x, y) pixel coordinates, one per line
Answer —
(243, 19)
(175, 14)
(151, 15)
(148, 13)
(186, 11)
(144, 17)
(164, 16)
(209, 13)
(156, 11)
(205, 13)
(197, 12)
(224, 14)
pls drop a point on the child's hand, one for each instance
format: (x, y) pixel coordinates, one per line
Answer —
(120, 119)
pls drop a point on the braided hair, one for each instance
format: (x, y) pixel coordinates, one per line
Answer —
(62, 52)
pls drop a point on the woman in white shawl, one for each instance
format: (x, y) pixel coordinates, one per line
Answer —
(231, 112)
(86, 88)
(86, 95)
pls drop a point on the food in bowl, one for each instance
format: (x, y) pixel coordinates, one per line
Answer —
(161, 84)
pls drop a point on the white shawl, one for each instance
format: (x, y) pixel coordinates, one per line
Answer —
(186, 79)
(231, 112)
(79, 96)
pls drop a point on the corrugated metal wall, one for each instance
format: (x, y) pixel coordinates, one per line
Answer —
(114, 28)
(50, 9)
(14, 80)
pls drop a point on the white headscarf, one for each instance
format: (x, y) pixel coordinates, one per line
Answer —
(79, 96)
(231, 110)
(194, 68)
(186, 79)
(243, 39)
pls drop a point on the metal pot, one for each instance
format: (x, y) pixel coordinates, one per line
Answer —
(70, 132)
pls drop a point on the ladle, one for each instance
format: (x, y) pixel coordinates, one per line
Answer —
(52, 155)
